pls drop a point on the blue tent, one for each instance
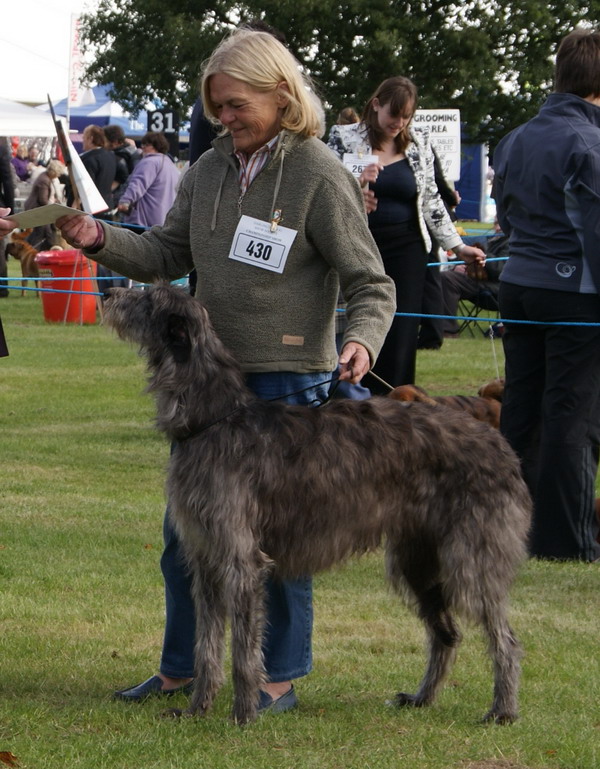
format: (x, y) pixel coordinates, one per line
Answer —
(97, 108)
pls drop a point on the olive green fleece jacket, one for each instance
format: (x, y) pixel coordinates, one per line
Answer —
(270, 321)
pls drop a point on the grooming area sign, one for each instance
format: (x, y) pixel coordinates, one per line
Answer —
(444, 130)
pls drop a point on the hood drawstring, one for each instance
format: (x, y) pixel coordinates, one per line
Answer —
(278, 182)
(213, 223)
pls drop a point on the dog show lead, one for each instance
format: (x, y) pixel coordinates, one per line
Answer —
(274, 225)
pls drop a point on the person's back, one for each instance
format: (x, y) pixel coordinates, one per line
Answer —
(100, 163)
(152, 186)
(155, 178)
(547, 190)
(539, 180)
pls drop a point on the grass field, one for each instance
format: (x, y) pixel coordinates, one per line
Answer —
(81, 612)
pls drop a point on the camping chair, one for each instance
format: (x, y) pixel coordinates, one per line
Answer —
(486, 302)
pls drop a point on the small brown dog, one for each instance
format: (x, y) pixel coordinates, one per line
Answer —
(485, 408)
(493, 389)
(20, 249)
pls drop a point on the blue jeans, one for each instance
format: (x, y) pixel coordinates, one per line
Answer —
(287, 644)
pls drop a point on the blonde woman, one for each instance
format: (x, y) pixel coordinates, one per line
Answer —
(273, 224)
(45, 190)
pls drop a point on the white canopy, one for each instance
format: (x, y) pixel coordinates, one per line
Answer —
(20, 120)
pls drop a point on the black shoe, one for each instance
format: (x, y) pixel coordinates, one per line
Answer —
(150, 688)
(287, 701)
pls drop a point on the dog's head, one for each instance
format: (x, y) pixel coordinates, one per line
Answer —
(20, 236)
(185, 357)
(163, 320)
(16, 249)
(493, 389)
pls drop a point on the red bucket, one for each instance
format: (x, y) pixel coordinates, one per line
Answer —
(67, 307)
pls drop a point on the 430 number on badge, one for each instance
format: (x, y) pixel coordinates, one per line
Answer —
(259, 250)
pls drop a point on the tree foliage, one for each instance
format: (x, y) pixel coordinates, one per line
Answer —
(491, 59)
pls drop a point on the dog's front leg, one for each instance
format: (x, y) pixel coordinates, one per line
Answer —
(247, 627)
(211, 612)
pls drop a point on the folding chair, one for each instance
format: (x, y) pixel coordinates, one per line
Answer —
(485, 302)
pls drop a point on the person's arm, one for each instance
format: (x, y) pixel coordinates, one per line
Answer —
(43, 191)
(436, 216)
(163, 252)
(500, 153)
(585, 185)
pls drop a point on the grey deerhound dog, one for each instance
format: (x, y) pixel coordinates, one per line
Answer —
(257, 486)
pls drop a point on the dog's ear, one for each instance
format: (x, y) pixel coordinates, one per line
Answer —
(178, 337)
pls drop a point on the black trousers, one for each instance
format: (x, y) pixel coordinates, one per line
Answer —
(405, 261)
(551, 413)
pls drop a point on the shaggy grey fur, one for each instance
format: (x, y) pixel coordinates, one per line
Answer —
(256, 486)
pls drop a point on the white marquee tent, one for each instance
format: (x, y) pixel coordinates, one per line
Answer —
(20, 120)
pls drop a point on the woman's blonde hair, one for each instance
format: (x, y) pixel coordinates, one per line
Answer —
(55, 168)
(262, 62)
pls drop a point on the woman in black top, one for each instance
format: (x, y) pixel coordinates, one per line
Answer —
(404, 207)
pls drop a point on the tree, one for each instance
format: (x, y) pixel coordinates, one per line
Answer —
(489, 58)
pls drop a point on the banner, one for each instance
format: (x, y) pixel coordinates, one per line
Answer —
(75, 92)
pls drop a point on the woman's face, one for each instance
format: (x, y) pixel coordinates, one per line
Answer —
(392, 125)
(252, 117)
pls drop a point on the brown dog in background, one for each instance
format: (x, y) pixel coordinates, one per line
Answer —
(20, 249)
(485, 407)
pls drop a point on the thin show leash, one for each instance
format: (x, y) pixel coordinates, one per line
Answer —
(315, 403)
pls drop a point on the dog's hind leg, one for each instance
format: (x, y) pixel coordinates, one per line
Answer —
(415, 568)
(506, 653)
(211, 614)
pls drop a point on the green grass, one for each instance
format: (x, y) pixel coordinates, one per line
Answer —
(81, 609)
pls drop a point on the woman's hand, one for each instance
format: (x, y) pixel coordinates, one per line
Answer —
(78, 231)
(370, 174)
(354, 362)
(6, 226)
(369, 200)
(470, 254)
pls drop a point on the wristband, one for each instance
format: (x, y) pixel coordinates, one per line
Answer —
(99, 241)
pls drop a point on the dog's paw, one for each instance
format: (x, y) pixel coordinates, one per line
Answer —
(502, 719)
(171, 713)
(403, 700)
(243, 717)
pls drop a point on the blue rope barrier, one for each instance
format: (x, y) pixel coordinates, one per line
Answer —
(339, 309)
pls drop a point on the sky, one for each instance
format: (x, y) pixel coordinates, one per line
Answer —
(34, 48)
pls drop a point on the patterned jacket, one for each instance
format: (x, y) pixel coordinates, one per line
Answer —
(432, 214)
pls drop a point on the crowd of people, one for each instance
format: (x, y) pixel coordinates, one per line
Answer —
(370, 238)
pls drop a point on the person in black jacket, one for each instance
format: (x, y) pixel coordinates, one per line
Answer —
(101, 163)
(127, 156)
(547, 191)
(7, 200)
